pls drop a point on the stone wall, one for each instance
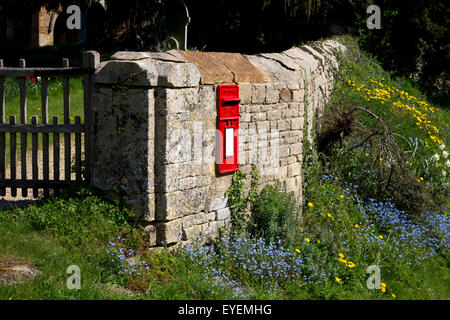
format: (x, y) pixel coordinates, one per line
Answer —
(155, 129)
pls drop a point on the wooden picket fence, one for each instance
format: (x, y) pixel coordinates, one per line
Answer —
(45, 129)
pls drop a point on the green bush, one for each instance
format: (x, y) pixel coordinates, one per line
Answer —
(274, 213)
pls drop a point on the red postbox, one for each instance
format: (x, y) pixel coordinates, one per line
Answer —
(227, 128)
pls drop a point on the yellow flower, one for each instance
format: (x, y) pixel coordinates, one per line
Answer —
(307, 240)
(393, 295)
(297, 250)
(329, 215)
(342, 196)
(351, 264)
(318, 241)
(337, 279)
(301, 229)
(383, 289)
(380, 236)
(356, 226)
(341, 256)
(310, 204)
(383, 285)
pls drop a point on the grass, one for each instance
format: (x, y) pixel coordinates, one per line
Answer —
(52, 235)
(343, 227)
(55, 98)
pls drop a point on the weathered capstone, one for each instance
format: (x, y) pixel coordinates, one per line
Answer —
(212, 70)
(241, 68)
(130, 55)
(292, 79)
(282, 59)
(148, 72)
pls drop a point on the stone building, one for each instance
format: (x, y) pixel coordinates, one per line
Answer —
(47, 28)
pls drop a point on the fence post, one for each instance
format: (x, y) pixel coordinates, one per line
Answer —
(23, 120)
(91, 60)
(2, 135)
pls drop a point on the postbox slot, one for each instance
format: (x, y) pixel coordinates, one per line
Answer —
(229, 101)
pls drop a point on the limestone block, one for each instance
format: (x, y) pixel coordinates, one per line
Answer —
(130, 55)
(314, 53)
(296, 148)
(293, 169)
(286, 95)
(147, 72)
(193, 200)
(181, 100)
(258, 93)
(290, 184)
(284, 151)
(170, 206)
(298, 106)
(283, 125)
(168, 232)
(282, 172)
(274, 126)
(201, 218)
(244, 117)
(274, 115)
(187, 183)
(290, 78)
(223, 214)
(298, 95)
(179, 75)
(191, 232)
(188, 221)
(272, 94)
(151, 232)
(207, 98)
(211, 69)
(213, 228)
(218, 203)
(241, 68)
(291, 159)
(211, 216)
(284, 60)
(245, 92)
(297, 123)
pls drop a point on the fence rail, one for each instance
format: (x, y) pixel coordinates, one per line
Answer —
(20, 126)
(44, 72)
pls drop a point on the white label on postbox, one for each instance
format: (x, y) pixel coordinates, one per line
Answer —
(229, 142)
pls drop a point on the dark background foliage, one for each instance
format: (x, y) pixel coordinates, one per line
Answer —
(413, 39)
